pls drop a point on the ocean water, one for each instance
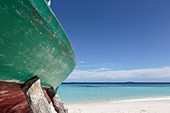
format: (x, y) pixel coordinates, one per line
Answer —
(99, 92)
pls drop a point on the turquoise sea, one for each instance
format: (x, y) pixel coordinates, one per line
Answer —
(99, 92)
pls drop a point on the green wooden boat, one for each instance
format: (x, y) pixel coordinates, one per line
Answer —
(32, 42)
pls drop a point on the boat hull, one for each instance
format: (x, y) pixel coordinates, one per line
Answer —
(13, 100)
(32, 42)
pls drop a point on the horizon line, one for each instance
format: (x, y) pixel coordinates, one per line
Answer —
(116, 82)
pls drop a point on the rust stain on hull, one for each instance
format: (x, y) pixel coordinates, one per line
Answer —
(49, 19)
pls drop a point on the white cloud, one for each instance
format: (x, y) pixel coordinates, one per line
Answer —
(101, 69)
(154, 73)
(97, 65)
(82, 61)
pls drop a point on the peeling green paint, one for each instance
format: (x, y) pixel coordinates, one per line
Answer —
(32, 42)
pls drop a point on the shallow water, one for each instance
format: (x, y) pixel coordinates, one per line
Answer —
(99, 92)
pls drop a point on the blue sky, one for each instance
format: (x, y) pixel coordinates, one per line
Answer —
(117, 40)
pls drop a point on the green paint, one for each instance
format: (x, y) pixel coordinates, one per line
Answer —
(32, 42)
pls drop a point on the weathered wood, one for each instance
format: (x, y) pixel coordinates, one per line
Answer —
(57, 103)
(35, 97)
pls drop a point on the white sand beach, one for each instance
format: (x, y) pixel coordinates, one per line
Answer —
(146, 105)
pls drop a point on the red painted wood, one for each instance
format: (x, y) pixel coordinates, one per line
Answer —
(12, 98)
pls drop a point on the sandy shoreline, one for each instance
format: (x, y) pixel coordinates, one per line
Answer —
(145, 105)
